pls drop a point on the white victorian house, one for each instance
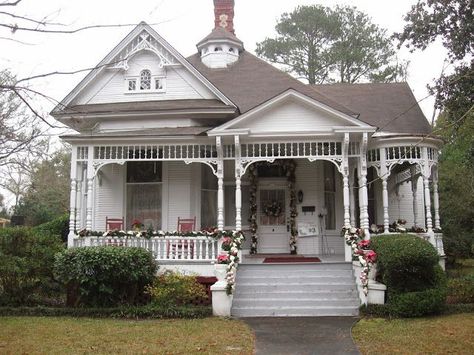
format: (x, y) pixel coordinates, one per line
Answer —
(226, 139)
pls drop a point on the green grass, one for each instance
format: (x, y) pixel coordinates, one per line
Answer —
(36, 335)
(432, 335)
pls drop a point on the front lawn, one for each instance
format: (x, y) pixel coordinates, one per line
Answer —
(30, 335)
(431, 335)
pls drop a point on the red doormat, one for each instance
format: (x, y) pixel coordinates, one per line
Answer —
(292, 259)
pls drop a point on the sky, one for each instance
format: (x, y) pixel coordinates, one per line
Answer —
(183, 23)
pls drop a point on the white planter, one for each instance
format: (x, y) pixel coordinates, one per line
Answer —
(372, 272)
(220, 270)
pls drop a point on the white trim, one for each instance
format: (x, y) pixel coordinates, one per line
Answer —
(297, 95)
(126, 41)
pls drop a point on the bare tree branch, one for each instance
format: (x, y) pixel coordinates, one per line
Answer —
(17, 41)
(43, 22)
(14, 3)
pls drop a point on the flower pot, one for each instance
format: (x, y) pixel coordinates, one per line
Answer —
(220, 270)
(372, 272)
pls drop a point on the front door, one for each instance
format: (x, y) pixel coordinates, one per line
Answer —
(272, 217)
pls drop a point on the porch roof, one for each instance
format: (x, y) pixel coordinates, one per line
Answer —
(148, 133)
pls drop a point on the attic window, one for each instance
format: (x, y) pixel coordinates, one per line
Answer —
(146, 83)
(145, 80)
(231, 50)
(218, 49)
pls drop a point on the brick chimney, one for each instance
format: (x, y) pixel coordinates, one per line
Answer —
(224, 14)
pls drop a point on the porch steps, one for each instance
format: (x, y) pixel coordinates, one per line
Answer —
(304, 289)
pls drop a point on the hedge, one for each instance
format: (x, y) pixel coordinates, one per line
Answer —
(58, 226)
(106, 276)
(26, 267)
(408, 266)
(128, 312)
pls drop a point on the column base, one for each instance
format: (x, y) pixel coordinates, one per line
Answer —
(221, 301)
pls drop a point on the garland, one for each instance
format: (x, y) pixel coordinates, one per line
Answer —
(354, 237)
(148, 234)
(289, 167)
(231, 243)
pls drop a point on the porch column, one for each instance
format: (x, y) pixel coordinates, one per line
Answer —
(220, 185)
(426, 183)
(90, 186)
(72, 198)
(385, 173)
(352, 197)
(414, 187)
(363, 197)
(436, 199)
(238, 185)
(345, 180)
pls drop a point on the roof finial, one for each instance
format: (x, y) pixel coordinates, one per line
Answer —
(224, 14)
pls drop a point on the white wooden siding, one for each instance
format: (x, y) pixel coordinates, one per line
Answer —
(109, 195)
(109, 87)
(137, 124)
(290, 116)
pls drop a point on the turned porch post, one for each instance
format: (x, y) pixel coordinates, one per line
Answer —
(220, 184)
(90, 187)
(73, 198)
(384, 175)
(352, 197)
(426, 184)
(345, 180)
(414, 187)
(363, 197)
(436, 199)
(238, 185)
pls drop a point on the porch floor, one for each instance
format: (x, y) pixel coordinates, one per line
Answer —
(258, 258)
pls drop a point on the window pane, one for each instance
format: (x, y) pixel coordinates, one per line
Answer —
(330, 203)
(208, 179)
(144, 171)
(145, 80)
(208, 208)
(132, 85)
(144, 204)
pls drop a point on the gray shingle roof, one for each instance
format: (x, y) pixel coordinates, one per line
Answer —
(389, 106)
(251, 81)
(220, 33)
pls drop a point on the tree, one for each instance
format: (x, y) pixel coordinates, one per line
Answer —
(323, 45)
(47, 193)
(453, 22)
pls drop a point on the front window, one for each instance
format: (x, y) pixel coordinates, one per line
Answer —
(330, 195)
(145, 80)
(144, 194)
(208, 198)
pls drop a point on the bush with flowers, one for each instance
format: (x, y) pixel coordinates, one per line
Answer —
(354, 237)
(231, 244)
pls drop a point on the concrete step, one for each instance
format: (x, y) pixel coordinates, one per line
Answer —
(295, 311)
(312, 289)
(299, 302)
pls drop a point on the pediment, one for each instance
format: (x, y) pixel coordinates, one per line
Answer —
(291, 112)
(142, 49)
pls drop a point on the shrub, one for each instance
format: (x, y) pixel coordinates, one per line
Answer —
(171, 289)
(405, 262)
(26, 266)
(149, 311)
(58, 226)
(106, 276)
(461, 290)
(408, 266)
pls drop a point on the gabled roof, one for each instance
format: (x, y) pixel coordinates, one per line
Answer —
(391, 106)
(251, 81)
(114, 56)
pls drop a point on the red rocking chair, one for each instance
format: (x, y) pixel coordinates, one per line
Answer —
(113, 223)
(180, 249)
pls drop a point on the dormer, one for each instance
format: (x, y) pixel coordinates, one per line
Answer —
(221, 47)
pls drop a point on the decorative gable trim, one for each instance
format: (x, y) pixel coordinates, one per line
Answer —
(142, 37)
(353, 124)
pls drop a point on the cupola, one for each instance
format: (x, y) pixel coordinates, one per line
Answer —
(221, 47)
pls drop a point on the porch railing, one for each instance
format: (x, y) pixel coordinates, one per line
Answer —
(189, 249)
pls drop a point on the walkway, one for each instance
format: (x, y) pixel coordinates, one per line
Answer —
(303, 335)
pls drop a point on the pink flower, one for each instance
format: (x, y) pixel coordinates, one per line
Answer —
(226, 241)
(363, 244)
(371, 256)
(223, 259)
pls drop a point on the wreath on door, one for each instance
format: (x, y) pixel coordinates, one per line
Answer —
(272, 209)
